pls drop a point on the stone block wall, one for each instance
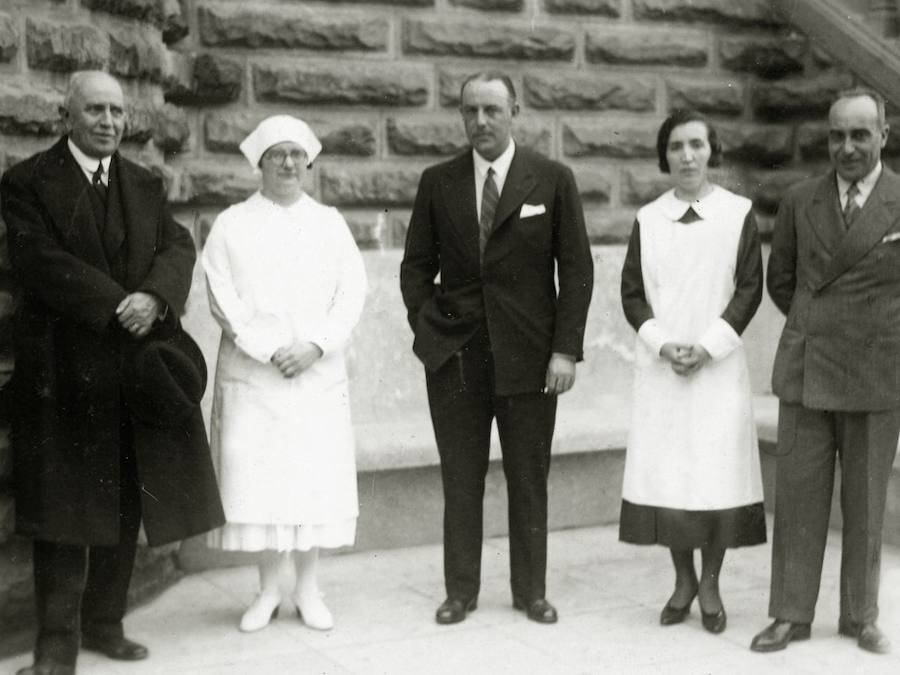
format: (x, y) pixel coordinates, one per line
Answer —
(379, 82)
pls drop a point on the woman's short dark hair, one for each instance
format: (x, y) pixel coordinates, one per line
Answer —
(676, 119)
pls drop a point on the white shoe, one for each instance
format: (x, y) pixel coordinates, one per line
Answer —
(260, 612)
(313, 612)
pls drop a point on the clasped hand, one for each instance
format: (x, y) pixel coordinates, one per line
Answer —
(137, 313)
(685, 359)
(294, 358)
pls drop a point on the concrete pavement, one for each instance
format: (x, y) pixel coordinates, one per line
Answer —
(608, 594)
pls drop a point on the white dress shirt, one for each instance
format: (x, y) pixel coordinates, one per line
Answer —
(89, 164)
(864, 185)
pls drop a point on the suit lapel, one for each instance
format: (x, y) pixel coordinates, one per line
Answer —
(113, 233)
(64, 190)
(136, 219)
(520, 181)
(459, 196)
(876, 218)
(825, 217)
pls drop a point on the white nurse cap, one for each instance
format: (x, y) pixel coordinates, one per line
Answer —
(278, 129)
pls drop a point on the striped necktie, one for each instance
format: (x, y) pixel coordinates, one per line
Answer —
(489, 199)
(97, 182)
(851, 207)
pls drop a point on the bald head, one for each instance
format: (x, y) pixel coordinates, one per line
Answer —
(94, 112)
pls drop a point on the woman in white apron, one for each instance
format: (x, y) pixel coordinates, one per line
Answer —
(286, 283)
(691, 282)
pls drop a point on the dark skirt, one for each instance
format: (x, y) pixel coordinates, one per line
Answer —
(679, 529)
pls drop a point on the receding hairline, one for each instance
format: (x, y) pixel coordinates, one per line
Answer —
(862, 92)
(79, 78)
(490, 76)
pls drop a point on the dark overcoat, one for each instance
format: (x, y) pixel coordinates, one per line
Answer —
(840, 289)
(67, 426)
(534, 285)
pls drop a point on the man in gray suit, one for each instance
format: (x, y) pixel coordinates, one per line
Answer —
(835, 272)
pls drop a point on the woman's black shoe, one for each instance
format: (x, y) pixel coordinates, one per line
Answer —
(714, 622)
(671, 615)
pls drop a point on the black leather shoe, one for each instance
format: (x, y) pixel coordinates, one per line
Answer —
(454, 610)
(672, 615)
(714, 622)
(778, 634)
(47, 667)
(119, 648)
(868, 636)
(537, 610)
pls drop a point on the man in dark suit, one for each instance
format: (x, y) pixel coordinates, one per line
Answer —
(835, 271)
(496, 337)
(100, 265)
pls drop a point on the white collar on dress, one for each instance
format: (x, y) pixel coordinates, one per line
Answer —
(674, 208)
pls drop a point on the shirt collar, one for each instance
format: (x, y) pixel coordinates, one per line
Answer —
(674, 208)
(88, 164)
(865, 185)
(500, 165)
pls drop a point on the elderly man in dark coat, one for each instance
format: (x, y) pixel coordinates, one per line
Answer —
(102, 268)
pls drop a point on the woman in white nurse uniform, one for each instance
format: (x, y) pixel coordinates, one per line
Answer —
(286, 283)
(691, 282)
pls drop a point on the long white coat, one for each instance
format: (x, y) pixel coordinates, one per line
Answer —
(283, 448)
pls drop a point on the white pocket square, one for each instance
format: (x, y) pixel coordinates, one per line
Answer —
(529, 210)
(893, 236)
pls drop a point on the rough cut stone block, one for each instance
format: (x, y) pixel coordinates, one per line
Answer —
(491, 5)
(450, 82)
(410, 136)
(136, 53)
(646, 46)
(798, 97)
(643, 185)
(722, 97)
(610, 8)
(732, 12)
(217, 186)
(369, 228)
(369, 186)
(595, 185)
(405, 3)
(289, 27)
(142, 10)
(9, 38)
(609, 138)
(29, 110)
(590, 91)
(206, 79)
(175, 22)
(487, 40)
(65, 47)
(341, 83)
(767, 145)
(171, 129)
(768, 57)
(225, 131)
(767, 188)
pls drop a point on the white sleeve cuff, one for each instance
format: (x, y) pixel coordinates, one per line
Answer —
(653, 336)
(720, 339)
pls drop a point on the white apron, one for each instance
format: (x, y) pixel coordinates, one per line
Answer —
(692, 442)
(283, 448)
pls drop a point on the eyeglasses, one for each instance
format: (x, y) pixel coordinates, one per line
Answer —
(278, 156)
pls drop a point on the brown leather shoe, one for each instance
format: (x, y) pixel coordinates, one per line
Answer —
(454, 610)
(537, 610)
(47, 667)
(868, 636)
(778, 634)
(119, 648)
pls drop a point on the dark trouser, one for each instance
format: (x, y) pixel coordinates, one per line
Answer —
(463, 406)
(865, 443)
(81, 589)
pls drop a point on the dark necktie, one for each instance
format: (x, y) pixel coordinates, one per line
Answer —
(851, 208)
(97, 182)
(489, 199)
